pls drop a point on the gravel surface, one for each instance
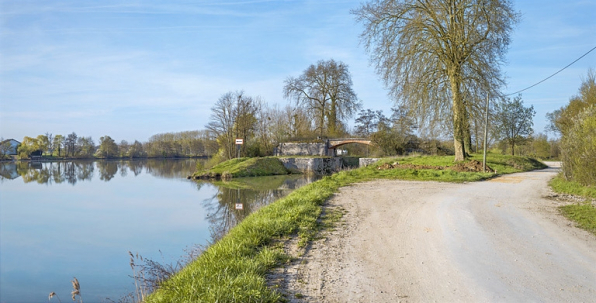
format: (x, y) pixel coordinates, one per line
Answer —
(501, 240)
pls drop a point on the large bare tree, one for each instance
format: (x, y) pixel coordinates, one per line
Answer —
(438, 57)
(325, 90)
(233, 116)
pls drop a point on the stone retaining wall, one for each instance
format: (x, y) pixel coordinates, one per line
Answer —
(301, 149)
(325, 166)
(319, 166)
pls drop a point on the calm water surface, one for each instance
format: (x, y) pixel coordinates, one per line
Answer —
(80, 219)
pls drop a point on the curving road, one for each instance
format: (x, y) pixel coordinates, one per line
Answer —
(492, 241)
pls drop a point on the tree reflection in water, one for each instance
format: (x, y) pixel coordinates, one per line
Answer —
(74, 171)
(252, 193)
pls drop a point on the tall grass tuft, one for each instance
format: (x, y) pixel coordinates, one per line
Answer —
(53, 294)
(76, 290)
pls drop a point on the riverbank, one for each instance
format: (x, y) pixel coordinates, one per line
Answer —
(268, 166)
(234, 269)
(243, 167)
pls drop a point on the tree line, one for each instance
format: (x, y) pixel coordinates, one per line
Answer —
(73, 146)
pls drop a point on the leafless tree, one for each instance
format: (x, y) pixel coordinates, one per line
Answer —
(439, 57)
(233, 116)
(70, 143)
(50, 143)
(325, 90)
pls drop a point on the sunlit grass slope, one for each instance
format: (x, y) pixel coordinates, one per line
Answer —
(246, 167)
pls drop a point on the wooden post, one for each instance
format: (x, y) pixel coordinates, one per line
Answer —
(485, 134)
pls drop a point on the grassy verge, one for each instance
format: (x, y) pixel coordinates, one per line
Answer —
(234, 269)
(584, 214)
(244, 167)
(503, 164)
(560, 185)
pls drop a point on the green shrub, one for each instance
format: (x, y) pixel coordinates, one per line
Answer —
(579, 149)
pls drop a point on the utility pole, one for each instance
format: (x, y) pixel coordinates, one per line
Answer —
(485, 134)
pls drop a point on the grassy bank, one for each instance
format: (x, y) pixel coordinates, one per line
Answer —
(244, 167)
(560, 185)
(234, 269)
(584, 213)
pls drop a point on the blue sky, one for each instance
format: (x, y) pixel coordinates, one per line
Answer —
(131, 69)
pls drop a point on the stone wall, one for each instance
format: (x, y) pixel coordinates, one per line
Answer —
(301, 149)
(319, 166)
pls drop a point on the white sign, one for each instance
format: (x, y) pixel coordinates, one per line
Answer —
(239, 206)
(239, 141)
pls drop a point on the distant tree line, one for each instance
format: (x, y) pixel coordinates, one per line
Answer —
(166, 145)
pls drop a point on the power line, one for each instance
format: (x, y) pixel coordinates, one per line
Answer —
(517, 92)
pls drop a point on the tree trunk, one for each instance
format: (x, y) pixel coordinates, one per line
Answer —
(476, 134)
(467, 136)
(458, 117)
(322, 124)
(332, 130)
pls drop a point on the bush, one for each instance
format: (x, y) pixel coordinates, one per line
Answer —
(578, 149)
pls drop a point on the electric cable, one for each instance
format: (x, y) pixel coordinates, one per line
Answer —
(517, 92)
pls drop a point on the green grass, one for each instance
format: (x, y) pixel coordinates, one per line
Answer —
(502, 163)
(234, 268)
(560, 185)
(584, 214)
(246, 167)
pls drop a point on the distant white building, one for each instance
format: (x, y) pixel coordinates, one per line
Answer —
(12, 147)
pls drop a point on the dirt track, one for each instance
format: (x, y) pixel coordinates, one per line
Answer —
(495, 241)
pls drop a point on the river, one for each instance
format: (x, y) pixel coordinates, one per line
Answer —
(60, 220)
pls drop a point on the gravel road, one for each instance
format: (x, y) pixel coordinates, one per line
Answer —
(501, 240)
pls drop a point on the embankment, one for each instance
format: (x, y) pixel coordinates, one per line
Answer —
(268, 166)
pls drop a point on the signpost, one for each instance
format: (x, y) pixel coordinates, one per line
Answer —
(238, 143)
